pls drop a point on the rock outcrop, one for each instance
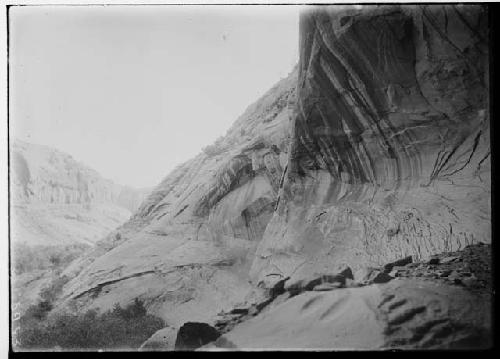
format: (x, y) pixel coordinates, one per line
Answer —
(188, 248)
(374, 150)
(398, 314)
(446, 305)
(193, 335)
(163, 340)
(390, 152)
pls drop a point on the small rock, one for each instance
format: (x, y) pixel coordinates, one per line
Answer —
(400, 262)
(453, 275)
(399, 268)
(382, 278)
(350, 283)
(259, 306)
(278, 288)
(364, 274)
(434, 260)
(470, 282)
(449, 259)
(327, 286)
(301, 285)
(347, 273)
(445, 273)
(239, 311)
(253, 311)
(394, 273)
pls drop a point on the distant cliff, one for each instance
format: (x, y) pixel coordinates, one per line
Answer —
(57, 200)
(41, 174)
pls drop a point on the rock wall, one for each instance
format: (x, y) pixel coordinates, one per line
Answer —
(187, 250)
(57, 200)
(390, 152)
(41, 174)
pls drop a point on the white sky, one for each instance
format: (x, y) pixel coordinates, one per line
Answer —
(132, 91)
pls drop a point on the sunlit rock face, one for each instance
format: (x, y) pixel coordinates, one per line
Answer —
(188, 248)
(390, 151)
(57, 200)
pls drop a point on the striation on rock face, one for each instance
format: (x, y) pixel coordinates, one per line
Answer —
(390, 152)
(187, 249)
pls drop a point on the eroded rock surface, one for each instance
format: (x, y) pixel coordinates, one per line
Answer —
(390, 152)
(412, 311)
(187, 250)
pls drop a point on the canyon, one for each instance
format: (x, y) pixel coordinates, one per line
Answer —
(371, 158)
(59, 209)
(57, 200)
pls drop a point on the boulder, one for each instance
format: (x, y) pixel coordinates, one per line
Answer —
(162, 340)
(434, 260)
(399, 263)
(331, 280)
(193, 335)
(403, 313)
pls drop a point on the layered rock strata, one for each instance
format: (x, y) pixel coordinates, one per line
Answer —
(55, 200)
(390, 152)
(187, 250)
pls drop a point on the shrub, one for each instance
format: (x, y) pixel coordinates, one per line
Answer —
(52, 291)
(119, 328)
(48, 295)
(27, 258)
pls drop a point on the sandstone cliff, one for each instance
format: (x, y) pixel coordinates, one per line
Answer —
(390, 153)
(375, 148)
(188, 248)
(57, 200)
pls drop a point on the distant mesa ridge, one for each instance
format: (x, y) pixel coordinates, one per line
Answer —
(57, 200)
(45, 175)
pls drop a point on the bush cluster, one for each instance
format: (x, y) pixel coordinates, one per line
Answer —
(30, 258)
(48, 296)
(119, 328)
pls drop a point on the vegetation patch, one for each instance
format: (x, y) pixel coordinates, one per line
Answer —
(31, 258)
(119, 328)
